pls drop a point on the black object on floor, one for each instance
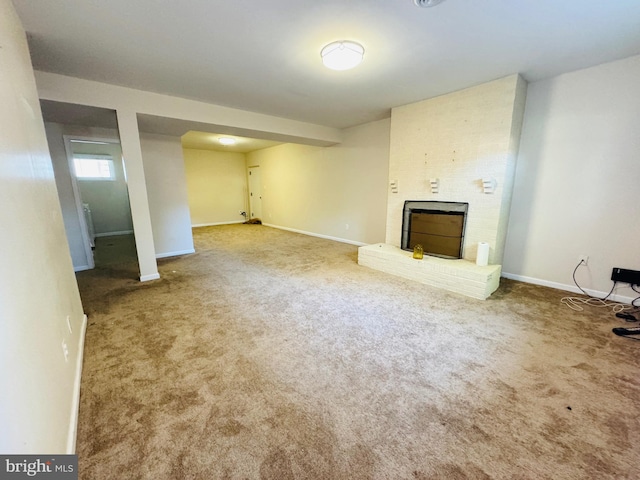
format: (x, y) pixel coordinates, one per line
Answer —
(624, 332)
(627, 316)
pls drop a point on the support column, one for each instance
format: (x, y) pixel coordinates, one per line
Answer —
(132, 154)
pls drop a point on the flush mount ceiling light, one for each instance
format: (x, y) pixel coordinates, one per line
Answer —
(227, 141)
(427, 3)
(342, 55)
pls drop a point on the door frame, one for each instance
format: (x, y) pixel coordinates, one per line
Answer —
(251, 201)
(84, 228)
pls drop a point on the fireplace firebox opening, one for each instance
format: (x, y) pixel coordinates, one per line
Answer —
(437, 226)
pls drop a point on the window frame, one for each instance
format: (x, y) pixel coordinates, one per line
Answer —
(85, 156)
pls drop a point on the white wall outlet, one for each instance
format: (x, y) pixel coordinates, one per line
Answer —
(584, 260)
(346, 226)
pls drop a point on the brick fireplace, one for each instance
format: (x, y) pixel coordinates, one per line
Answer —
(460, 142)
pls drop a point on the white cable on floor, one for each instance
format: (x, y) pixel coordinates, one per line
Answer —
(577, 304)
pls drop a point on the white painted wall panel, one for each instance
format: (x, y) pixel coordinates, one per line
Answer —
(167, 194)
(38, 289)
(216, 185)
(337, 192)
(578, 178)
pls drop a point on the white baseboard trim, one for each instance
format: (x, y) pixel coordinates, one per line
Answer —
(196, 225)
(569, 288)
(319, 235)
(114, 234)
(175, 254)
(75, 406)
(146, 278)
(81, 268)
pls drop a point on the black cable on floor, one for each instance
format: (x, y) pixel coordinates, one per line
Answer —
(591, 296)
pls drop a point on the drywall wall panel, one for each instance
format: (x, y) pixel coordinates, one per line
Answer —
(167, 194)
(577, 179)
(38, 290)
(337, 192)
(216, 186)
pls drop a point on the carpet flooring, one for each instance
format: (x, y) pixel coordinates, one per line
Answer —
(273, 355)
(116, 250)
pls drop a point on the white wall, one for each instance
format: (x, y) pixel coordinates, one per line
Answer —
(38, 290)
(459, 138)
(167, 193)
(216, 185)
(578, 179)
(337, 192)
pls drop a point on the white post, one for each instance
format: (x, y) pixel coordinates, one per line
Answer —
(132, 154)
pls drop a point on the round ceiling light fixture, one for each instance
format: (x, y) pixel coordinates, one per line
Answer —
(427, 3)
(342, 55)
(227, 141)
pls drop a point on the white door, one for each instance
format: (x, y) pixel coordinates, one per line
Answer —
(255, 193)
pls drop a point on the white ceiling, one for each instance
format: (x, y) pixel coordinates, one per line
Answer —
(210, 141)
(264, 56)
(68, 113)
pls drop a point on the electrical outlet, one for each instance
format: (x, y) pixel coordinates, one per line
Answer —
(584, 259)
(346, 226)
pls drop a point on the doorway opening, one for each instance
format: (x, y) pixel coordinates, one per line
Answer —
(99, 184)
(255, 193)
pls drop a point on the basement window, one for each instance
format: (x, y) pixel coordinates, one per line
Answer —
(94, 167)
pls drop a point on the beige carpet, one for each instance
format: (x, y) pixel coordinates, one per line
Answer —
(273, 355)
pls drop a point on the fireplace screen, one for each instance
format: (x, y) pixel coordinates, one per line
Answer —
(437, 226)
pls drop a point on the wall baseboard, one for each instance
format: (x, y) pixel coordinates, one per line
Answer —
(196, 225)
(114, 234)
(75, 405)
(175, 254)
(81, 268)
(146, 278)
(569, 288)
(312, 234)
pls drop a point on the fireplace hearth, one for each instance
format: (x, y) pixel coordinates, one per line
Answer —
(440, 228)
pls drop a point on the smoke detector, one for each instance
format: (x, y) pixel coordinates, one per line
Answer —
(427, 3)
